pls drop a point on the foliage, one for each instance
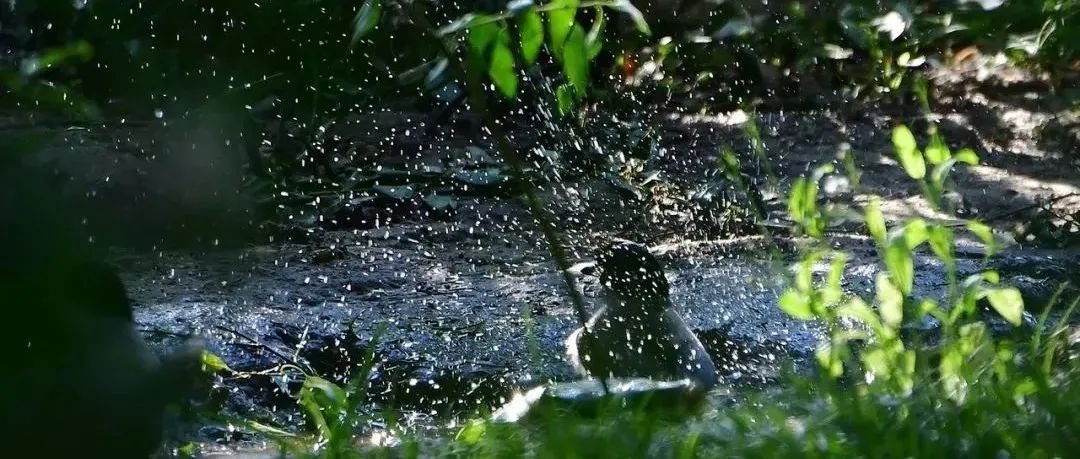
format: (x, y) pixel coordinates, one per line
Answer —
(882, 389)
(856, 48)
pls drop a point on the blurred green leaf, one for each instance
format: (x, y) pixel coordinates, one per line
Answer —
(211, 363)
(566, 99)
(914, 233)
(901, 267)
(890, 301)
(804, 276)
(560, 17)
(1008, 302)
(941, 242)
(502, 66)
(796, 305)
(79, 51)
(853, 27)
(950, 367)
(365, 21)
(796, 201)
(941, 172)
(875, 220)
(985, 234)
(834, 291)
(830, 361)
(968, 156)
(908, 152)
(531, 30)
(324, 402)
(471, 432)
(481, 37)
(857, 309)
(937, 151)
(575, 60)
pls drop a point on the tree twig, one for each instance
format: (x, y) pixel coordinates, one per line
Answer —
(1010, 213)
(258, 344)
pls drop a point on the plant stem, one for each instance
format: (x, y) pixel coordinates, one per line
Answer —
(478, 100)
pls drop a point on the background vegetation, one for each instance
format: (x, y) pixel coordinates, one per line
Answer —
(279, 74)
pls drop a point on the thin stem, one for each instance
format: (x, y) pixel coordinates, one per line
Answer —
(488, 19)
(478, 100)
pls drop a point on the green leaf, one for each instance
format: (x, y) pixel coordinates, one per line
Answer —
(805, 275)
(796, 304)
(575, 59)
(914, 233)
(211, 363)
(937, 151)
(831, 360)
(796, 205)
(819, 172)
(952, 363)
(834, 288)
(365, 21)
(531, 30)
(481, 37)
(968, 156)
(594, 40)
(900, 265)
(566, 99)
(908, 152)
(77, 52)
(1008, 302)
(471, 433)
(890, 301)
(876, 362)
(560, 17)
(857, 309)
(941, 172)
(941, 242)
(875, 220)
(921, 89)
(635, 15)
(985, 234)
(323, 401)
(501, 66)
(927, 306)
